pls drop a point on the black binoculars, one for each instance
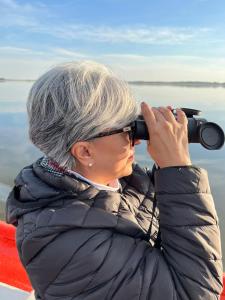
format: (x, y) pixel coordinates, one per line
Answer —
(208, 134)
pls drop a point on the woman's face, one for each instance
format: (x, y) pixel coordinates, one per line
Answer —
(112, 157)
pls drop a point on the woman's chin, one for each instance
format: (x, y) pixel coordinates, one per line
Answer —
(128, 170)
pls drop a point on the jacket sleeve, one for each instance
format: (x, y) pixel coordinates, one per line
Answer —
(190, 234)
(103, 264)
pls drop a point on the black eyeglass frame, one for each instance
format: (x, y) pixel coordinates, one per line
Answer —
(128, 129)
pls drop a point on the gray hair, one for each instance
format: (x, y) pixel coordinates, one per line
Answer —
(74, 102)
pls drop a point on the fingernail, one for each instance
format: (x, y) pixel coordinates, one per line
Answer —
(143, 105)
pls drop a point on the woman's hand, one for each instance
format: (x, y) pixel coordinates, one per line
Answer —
(168, 143)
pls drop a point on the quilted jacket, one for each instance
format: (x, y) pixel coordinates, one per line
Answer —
(77, 242)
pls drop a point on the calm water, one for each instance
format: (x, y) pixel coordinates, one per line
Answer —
(16, 151)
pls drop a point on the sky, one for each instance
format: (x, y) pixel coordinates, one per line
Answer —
(165, 40)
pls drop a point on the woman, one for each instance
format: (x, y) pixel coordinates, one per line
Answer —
(86, 214)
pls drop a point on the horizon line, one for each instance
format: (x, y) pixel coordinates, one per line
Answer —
(195, 83)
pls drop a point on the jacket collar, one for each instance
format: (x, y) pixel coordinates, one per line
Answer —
(68, 201)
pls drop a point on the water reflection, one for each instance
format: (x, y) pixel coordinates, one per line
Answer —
(16, 151)
(16, 92)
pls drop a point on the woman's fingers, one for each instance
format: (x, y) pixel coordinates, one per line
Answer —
(167, 114)
(148, 115)
(181, 117)
(168, 145)
(170, 117)
(162, 114)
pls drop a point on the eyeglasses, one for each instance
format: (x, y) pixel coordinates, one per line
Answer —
(127, 129)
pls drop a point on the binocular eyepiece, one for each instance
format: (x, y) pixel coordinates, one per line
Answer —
(208, 134)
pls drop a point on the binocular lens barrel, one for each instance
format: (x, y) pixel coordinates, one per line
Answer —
(208, 134)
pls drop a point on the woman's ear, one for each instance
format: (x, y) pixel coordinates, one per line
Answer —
(82, 151)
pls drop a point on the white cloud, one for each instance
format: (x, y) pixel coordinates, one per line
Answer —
(17, 20)
(167, 68)
(68, 53)
(33, 18)
(13, 49)
(126, 55)
(9, 50)
(12, 5)
(59, 53)
(124, 34)
(29, 64)
(15, 14)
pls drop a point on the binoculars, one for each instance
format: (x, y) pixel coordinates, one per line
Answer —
(208, 134)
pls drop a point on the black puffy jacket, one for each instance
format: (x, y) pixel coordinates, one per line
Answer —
(77, 242)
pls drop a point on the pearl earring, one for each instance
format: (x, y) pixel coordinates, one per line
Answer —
(90, 165)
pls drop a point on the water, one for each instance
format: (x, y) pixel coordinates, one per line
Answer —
(16, 151)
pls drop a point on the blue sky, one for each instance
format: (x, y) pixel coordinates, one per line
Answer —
(141, 40)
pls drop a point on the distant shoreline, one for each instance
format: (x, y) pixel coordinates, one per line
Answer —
(16, 80)
(197, 84)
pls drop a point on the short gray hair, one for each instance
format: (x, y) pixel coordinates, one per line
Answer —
(74, 102)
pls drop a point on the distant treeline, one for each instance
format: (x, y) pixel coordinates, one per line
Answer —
(20, 80)
(180, 83)
(200, 84)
